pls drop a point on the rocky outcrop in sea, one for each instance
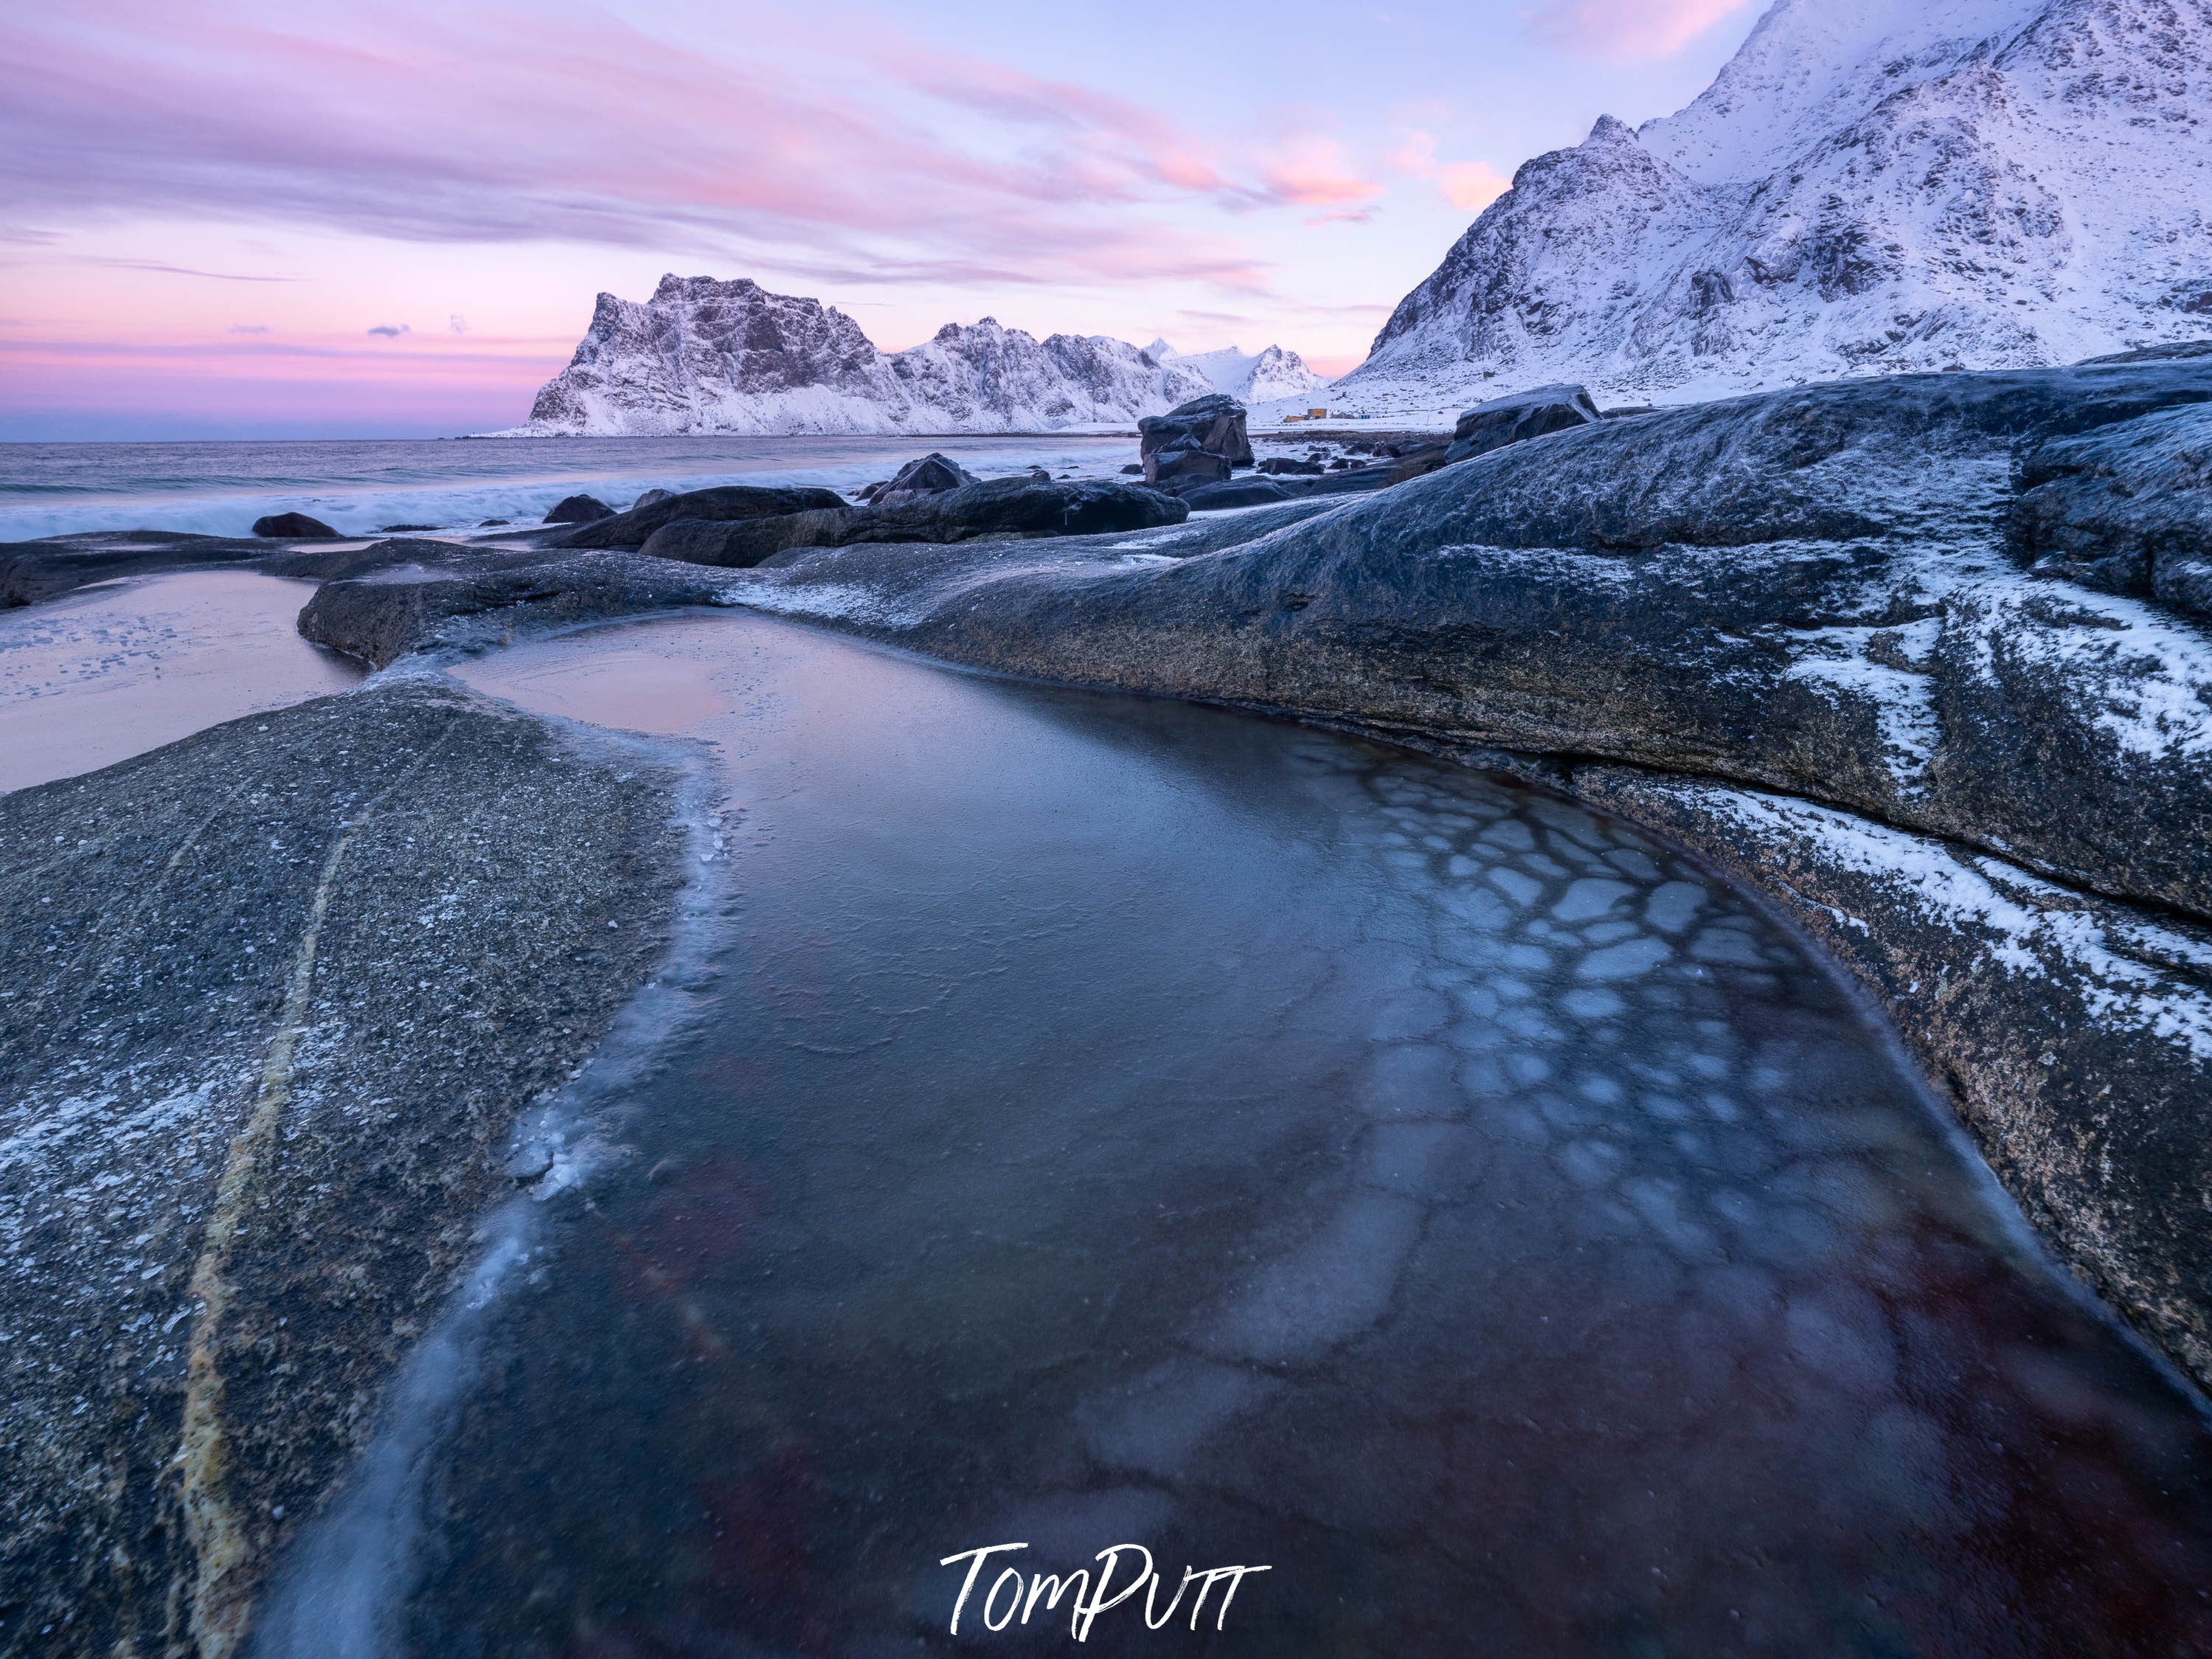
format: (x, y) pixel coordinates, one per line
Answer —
(702, 355)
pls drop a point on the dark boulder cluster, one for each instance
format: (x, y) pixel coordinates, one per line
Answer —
(1030, 506)
(1195, 444)
(728, 503)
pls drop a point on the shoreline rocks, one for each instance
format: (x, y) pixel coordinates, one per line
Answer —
(725, 504)
(932, 475)
(579, 509)
(1517, 418)
(1203, 440)
(1794, 631)
(1803, 600)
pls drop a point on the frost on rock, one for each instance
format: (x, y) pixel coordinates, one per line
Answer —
(1889, 185)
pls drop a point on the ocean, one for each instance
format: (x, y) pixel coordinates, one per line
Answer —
(359, 487)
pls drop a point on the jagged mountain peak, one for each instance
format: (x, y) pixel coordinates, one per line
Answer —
(707, 355)
(1868, 188)
(1267, 375)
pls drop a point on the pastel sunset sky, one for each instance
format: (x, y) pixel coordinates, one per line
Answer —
(240, 218)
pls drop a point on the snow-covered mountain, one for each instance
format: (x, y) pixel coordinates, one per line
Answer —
(703, 355)
(1250, 377)
(1868, 186)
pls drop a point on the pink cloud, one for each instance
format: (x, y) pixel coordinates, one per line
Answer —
(466, 124)
(1626, 31)
(1469, 185)
(1313, 171)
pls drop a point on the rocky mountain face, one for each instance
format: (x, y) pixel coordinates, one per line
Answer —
(1250, 377)
(1886, 185)
(703, 355)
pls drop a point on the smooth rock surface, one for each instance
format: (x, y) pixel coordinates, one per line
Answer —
(272, 997)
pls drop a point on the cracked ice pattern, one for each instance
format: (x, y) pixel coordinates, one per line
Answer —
(1128, 1121)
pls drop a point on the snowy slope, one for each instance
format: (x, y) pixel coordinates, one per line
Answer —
(703, 355)
(1868, 186)
(1249, 377)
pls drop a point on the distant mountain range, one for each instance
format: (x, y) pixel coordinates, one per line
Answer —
(1868, 186)
(703, 355)
(1249, 377)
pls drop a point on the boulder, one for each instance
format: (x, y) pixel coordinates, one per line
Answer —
(727, 503)
(1236, 492)
(404, 529)
(1416, 460)
(1516, 419)
(990, 509)
(1284, 465)
(580, 509)
(2124, 509)
(1026, 505)
(292, 526)
(932, 475)
(1183, 465)
(1352, 480)
(743, 543)
(1214, 425)
(652, 498)
(544, 836)
(1135, 469)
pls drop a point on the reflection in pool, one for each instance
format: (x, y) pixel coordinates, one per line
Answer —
(1120, 1121)
(113, 670)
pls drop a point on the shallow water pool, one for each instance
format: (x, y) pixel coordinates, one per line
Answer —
(112, 670)
(1116, 1122)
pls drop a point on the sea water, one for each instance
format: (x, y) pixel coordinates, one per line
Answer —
(453, 484)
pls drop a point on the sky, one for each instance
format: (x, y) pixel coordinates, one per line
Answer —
(236, 218)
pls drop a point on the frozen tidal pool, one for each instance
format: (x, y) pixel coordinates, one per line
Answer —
(1118, 1122)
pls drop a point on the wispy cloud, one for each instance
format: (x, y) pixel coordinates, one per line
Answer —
(1313, 171)
(390, 330)
(248, 328)
(1469, 185)
(158, 267)
(882, 158)
(1626, 31)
